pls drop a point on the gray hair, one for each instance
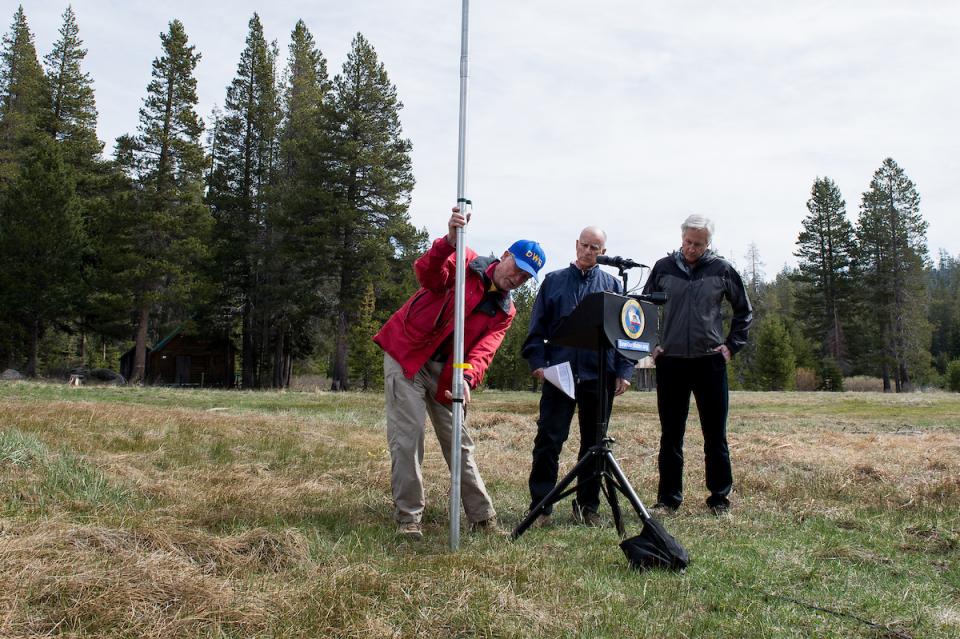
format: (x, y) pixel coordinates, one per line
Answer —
(698, 223)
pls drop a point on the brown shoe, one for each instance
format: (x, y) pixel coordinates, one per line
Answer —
(591, 519)
(663, 510)
(584, 516)
(543, 521)
(488, 527)
(411, 530)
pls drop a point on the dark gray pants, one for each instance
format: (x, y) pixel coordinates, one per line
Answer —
(553, 428)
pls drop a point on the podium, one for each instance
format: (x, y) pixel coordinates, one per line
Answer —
(604, 322)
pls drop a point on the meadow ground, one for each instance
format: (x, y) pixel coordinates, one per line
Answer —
(146, 512)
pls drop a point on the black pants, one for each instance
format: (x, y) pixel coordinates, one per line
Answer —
(706, 378)
(553, 428)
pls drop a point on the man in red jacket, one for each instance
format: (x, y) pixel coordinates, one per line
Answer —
(417, 342)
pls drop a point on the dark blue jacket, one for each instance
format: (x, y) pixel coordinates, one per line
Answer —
(559, 294)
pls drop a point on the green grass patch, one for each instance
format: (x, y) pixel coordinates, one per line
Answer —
(43, 480)
(182, 513)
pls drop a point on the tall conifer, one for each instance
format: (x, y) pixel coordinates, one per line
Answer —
(824, 249)
(370, 161)
(892, 251)
(74, 110)
(301, 207)
(240, 192)
(24, 96)
(169, 224)
(41, 241)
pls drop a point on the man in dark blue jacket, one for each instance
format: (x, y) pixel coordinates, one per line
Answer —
(559, 294)
(692, 358)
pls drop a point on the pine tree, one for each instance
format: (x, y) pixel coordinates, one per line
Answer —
(370, 162)
(168, 226)
(753, 273)
(302, 205)
(775, 364)
(24, 97)
(824, 250)
(42, 242)
(74, 110)
(892, 252)
(366, 356)
(240, 195)
(944, 287)
(73, 124)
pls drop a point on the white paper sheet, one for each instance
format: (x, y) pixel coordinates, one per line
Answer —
(561, 376)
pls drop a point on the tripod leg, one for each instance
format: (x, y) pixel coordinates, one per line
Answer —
(623, 484)
(610, 490)
(554, 495)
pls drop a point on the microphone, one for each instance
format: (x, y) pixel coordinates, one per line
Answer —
(621, 263)
(658, 299)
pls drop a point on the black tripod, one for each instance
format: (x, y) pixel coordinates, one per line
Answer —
(611, 476)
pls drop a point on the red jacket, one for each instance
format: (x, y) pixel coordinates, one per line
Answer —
(415, 332)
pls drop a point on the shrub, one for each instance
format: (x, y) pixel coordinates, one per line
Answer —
(774, 363)
(806, 380)
(863, 384)
(952, 376)
(831, 377)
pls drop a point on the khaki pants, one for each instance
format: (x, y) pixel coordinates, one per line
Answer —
(408, 402)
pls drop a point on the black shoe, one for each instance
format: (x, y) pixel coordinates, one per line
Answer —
(719, 509)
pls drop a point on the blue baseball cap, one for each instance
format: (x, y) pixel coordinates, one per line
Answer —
(528, 255)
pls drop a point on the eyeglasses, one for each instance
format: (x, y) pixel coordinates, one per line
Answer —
(592, 247)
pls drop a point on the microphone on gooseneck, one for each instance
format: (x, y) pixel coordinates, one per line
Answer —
(621, 263)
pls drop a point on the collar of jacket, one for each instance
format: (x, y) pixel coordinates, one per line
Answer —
(480, 265)
(706, 258)
(587, 274)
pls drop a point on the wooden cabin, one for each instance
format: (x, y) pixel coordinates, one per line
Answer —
(181, 359)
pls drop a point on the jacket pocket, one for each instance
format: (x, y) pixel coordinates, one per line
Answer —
(424, 315)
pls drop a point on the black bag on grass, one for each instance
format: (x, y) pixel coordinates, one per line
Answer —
(654, 547)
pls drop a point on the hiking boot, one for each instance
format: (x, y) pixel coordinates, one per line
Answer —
(662, 509)
(585, 516)
(488, 527)
(543, 521)
(591, 518)
(411, 530)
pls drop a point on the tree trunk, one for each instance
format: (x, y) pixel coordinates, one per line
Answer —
(248, 356)
(278, 364)
(34, 349)
(339, 382)
(140, 346)
(264, 353)
(904, 378)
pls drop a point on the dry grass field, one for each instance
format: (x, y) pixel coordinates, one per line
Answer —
(130, 512)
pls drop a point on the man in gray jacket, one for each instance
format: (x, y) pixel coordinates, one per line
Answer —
(692, 358)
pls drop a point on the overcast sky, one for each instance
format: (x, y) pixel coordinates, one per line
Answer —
(625, 114)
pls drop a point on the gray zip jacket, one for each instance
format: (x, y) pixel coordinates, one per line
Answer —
(692, 322)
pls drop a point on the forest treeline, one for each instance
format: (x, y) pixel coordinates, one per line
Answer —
(864, 300)
(282, 223)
